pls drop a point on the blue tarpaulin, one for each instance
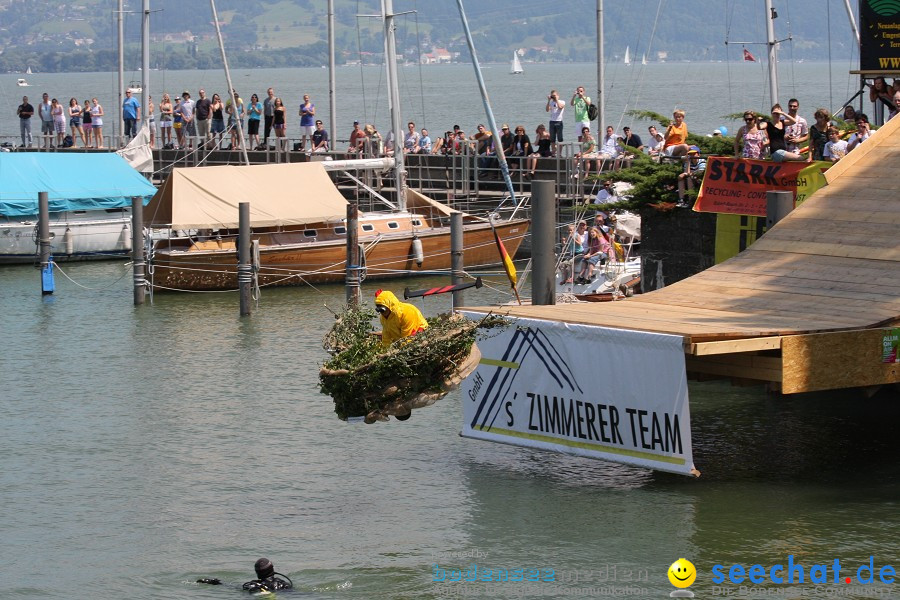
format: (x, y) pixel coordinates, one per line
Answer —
(89, 181)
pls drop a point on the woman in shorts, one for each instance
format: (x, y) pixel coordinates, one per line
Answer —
(217, 126)
(59, 121)
(165, 121)
(87, 123)
(254, 114)
(97, 122)
(75, 121)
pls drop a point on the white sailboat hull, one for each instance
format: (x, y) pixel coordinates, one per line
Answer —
(94, 234)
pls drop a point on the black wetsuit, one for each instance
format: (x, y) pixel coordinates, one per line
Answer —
(270, 584)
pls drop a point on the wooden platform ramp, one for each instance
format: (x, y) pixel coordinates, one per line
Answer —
(808, 307)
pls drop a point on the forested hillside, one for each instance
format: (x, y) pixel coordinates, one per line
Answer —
(80, 35)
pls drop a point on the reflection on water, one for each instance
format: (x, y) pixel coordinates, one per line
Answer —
(146, 447)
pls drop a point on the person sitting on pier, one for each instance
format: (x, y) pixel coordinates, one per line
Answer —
(357, 136)
(776, 129)
(657, 142)
(676, 135)
(319, 138)
(411, 139)
(543, 150)
(399, 320)
(443, 145)
(630, 140)
(588, 153)
(425, 144)
(521, 146)
(371, 142)
(485, 148)
(609, 148)
(506, 142)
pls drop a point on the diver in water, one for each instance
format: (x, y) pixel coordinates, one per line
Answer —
(266, 579)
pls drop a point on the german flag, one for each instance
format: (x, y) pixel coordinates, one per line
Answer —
(507, 261)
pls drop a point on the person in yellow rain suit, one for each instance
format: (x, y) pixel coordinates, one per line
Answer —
(398, 319)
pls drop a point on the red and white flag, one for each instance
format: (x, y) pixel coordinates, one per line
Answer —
(748, 56)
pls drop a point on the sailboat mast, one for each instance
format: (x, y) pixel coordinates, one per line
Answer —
(121, 89)
(601, 113)
(237, 118)
(390, 51)
(771, 15)
(145, 62)
(332, 86)
(498, 147)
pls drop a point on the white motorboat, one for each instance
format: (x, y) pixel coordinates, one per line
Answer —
(22, 83)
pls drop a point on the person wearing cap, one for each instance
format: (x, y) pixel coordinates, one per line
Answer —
(357, 136)
(319, 138)
(631, 140)
(696, 166)
(188, 127)
(399, 320)
(506, 142)
(267, 580)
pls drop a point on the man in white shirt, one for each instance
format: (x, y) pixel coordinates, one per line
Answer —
(555, 107)
(798, 132)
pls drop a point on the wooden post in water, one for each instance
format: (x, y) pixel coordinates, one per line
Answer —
(457, 263)
(47, 284)
(778, 204)
(543, 239)
(351, 277)
(137, 249)
(244, 270)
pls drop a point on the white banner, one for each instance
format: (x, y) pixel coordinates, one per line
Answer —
(614, 394)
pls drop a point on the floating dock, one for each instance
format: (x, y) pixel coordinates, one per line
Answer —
(813, 305)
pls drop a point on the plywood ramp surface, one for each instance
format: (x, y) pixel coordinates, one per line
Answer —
(832, 265)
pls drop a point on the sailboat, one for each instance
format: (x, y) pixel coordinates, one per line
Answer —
(299, 230)
(644, 59)
(28, 71)
(627, 56)
(516, 66)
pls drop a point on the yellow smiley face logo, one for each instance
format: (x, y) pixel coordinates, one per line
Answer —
(682, 573)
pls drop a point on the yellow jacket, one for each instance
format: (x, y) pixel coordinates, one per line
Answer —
(405, 319)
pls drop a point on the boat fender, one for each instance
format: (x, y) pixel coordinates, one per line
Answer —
(418, 253)
(69, 242)
(125, 237)
(254, 254)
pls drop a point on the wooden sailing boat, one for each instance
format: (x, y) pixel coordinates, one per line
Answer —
(516, 66)
(299, 228)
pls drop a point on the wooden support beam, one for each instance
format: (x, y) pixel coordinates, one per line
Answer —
(733, 346)
(739, 366)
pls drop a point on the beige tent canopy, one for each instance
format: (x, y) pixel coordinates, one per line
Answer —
(282, 194)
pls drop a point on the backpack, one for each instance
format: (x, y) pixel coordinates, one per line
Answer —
(592, 112)
(68, 142)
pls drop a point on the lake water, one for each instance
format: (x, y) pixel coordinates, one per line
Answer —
(437, 97)
(143, 448)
